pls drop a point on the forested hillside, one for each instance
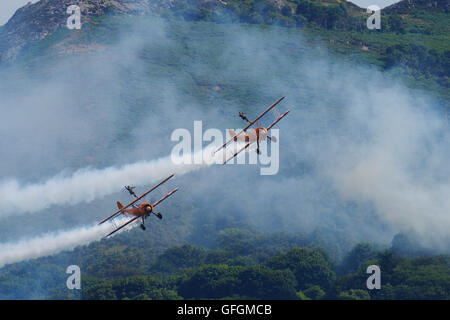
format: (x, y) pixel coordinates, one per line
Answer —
(414, 34)
(242, 265)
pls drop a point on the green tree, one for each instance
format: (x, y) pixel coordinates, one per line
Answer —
(211, 282)
(354, 294)
(314, 293)
(359, 254)
(259, 282)
(179, 257)
(309, 267)
(237, 241)
(103, 291)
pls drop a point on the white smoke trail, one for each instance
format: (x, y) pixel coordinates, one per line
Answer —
(53, 243)
(86, 185)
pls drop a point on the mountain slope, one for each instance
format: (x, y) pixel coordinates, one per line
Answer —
(414, 34)
(37, 21)
(406, 6)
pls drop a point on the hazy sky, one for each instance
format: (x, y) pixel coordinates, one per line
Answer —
(380, 3)
(8, 7)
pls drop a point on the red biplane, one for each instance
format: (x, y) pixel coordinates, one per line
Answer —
(142, 210)
(260, 133)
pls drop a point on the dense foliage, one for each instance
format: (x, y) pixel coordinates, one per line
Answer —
(422, 27)
(228, 271)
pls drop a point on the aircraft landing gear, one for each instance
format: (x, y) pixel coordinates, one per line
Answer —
(159, 215)
(142, 224)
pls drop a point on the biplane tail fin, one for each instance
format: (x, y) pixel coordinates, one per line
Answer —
(232, 134)
(120, 206)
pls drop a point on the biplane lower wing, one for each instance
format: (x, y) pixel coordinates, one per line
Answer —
(137, 199)
(122, 226)
(234, 155)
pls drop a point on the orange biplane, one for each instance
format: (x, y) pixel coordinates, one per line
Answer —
(135, 210)
(252, 135)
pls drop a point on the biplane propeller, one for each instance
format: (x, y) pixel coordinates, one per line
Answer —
(138, 210)
(251, 135)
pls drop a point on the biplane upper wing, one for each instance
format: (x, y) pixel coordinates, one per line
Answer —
(137, 199)
(122, 226)
(252, 123)
(248, 144)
